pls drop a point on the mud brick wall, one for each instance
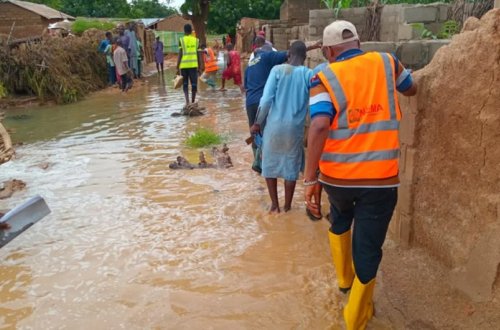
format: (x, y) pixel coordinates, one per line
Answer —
(413, 54)
(395, 20)
(449, 202)
(27, 23)
(174, 23)
(296, 11)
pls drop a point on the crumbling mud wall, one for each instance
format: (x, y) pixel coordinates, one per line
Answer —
(450, 166)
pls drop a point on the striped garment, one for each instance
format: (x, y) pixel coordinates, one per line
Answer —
(319, 99)
(321, 104)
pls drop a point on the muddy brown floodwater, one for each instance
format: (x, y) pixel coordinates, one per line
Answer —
(132, 244)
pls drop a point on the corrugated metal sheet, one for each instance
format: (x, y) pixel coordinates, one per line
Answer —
(42, 10)
(149, 21)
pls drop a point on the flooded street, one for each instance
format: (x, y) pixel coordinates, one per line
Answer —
(132, 244)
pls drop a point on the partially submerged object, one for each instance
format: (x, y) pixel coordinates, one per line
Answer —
(6, 149)
(22, 217)
(8, 188)
(191, 110)
(221, 157)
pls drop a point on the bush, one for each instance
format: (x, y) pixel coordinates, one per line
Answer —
(203, 138)
(3, 91)
(81, 25)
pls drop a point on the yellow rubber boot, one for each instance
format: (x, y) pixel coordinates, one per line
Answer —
(341, 248)
(359, 308)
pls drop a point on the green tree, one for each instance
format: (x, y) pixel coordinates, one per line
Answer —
(197, 12)
(90, 8)
(150, 8)
(56, 4)
(97, 8)
(225, 14)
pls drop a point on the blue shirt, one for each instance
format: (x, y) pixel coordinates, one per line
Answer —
(257, 72)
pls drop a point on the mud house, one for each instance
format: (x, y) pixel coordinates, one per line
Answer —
(169, 29)
(173, 23)
(21, 19)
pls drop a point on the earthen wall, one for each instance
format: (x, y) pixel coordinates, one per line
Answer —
(449, 199)
(296, 11)
(23, 23)
(173, 23)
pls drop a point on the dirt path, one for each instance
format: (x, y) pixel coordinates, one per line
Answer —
(413, 293)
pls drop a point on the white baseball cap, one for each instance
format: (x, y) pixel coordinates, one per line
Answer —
(332, 35)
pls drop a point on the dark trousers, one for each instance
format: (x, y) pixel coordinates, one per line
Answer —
(125, 81)
(111, 74)
(252, 114)
(371, 211)
(191, 75)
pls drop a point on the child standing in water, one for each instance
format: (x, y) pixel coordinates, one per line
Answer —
(283, 107)
(233, 70)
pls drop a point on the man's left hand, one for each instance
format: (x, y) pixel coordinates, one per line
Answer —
(255, 129)
(311, 197)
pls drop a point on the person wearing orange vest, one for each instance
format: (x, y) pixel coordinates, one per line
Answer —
(354, 142)
(211, 67)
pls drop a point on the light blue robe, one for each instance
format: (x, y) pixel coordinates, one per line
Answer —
(283, 108)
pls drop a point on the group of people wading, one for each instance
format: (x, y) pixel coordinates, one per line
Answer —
(352, 141)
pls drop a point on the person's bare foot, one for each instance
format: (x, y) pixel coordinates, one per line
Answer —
(274, 209)
(4, 226)
(222, 89)
(287, 208)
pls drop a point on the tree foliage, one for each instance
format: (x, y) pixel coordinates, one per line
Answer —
(111, 8)
(150, 8)
(197, 11)
(225, 14)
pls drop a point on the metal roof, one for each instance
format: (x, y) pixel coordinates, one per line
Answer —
(42, 10)
(149, 21)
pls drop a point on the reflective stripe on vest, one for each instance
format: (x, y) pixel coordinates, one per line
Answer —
(210, 61)
(189, 46)
(363, 141)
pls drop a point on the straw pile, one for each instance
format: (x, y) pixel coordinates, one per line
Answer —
(60, 69)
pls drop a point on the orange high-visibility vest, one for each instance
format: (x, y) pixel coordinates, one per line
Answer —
(210, 61)
(363, 140)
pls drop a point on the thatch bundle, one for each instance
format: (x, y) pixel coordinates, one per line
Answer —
(62, 69)
(6, 150)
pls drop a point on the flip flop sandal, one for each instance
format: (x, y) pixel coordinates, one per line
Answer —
(312, 216)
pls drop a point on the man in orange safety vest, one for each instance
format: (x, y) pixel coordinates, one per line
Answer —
(353, 153)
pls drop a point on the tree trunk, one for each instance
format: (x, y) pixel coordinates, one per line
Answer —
(199, 20)
(199, 28)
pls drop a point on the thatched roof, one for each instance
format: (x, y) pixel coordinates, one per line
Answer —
(42, 10)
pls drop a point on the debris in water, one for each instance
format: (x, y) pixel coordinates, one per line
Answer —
(191, 110)
(8, 188)
(221, 157)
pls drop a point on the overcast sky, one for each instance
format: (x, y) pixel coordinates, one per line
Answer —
(173, 3)
(176, 3)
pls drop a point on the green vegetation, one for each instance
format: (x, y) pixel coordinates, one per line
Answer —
(82, 24)
(337, 5)
(225, 14)
(111, 8)
(203, 138)
(3, 91)
(449, 29)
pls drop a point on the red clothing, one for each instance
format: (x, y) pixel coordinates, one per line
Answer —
(233, 71)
